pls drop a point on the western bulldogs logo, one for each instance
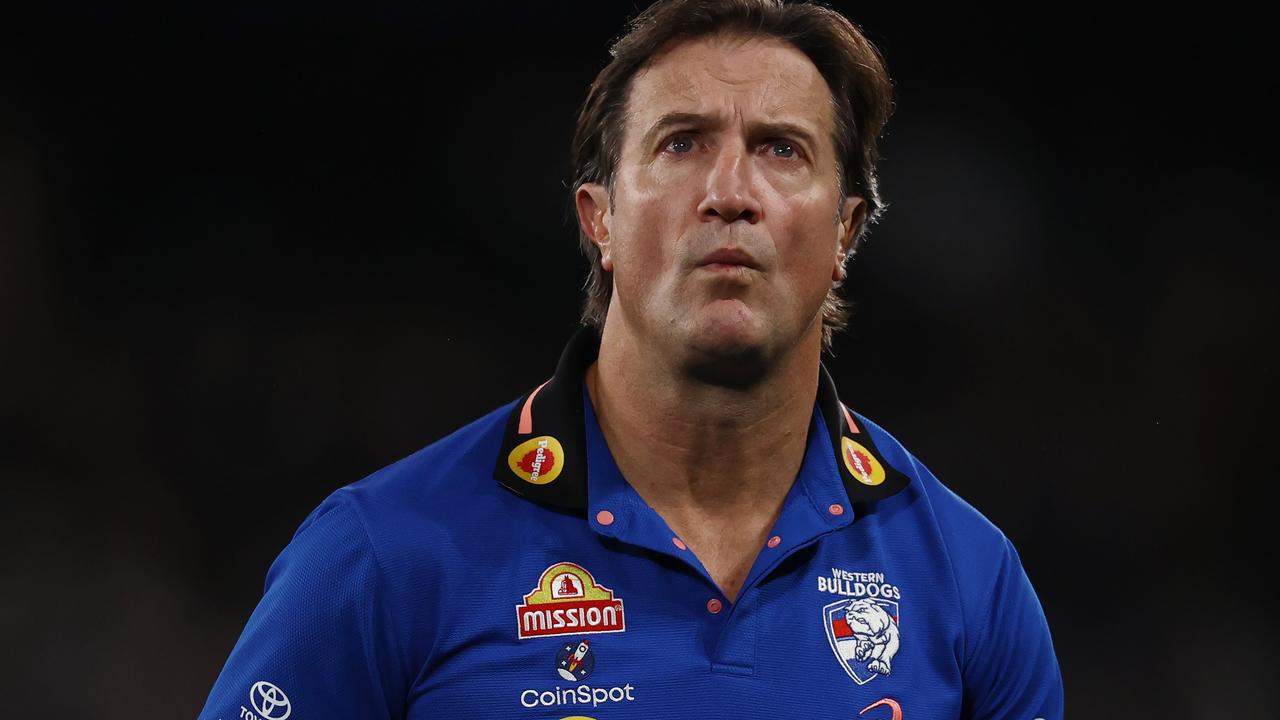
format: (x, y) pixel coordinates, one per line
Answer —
(862, 628)
(864, 636)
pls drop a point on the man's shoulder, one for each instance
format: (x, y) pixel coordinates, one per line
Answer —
(443, 465)
(974, 549)
(957, 520)
(446, 483)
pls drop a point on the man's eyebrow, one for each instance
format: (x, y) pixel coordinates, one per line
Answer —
(786, 129)
(701, 121)
(672, 119)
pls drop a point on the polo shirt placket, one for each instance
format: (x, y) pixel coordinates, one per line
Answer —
(617, 511)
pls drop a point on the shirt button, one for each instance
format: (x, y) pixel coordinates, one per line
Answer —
(604, 517)
(714, 606)
(836, 509)
(679, 543)
(775, 541)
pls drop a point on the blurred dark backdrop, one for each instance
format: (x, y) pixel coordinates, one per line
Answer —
(251, 252)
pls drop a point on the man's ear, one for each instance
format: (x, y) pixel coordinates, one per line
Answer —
(852, 216)
(592, 203)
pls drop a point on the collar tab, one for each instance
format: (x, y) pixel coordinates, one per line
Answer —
(543, 455)
(867, 477)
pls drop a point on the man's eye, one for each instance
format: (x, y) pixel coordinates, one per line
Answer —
(783, 149)
(680, 144)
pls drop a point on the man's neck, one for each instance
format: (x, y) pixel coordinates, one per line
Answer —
(715, 462)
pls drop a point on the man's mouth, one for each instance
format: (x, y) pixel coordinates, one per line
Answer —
(728, 259)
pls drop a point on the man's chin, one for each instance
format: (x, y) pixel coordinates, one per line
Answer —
(729, 357)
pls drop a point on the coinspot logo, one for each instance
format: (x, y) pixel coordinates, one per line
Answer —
(270, 701)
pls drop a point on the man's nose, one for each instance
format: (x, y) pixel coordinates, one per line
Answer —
(730, 193)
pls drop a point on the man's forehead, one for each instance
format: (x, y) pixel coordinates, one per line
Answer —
(760, 79)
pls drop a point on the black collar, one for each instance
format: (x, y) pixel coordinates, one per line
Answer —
(544, 457)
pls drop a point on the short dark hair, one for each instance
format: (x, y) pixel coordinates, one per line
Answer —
(855, 74)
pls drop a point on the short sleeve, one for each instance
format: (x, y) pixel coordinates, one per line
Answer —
(1010, 668)
(312, 648)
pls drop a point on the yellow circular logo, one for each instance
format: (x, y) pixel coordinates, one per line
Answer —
(862, 464)
(538, 460)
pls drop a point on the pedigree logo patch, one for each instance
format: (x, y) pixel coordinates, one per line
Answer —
(568, 601)
(865, 468)
(538, 460)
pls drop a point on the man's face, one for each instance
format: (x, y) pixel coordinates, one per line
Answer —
(722, 235)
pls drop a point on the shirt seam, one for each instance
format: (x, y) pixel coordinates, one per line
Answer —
(380, 590)
(1007, 545)
(955, 578)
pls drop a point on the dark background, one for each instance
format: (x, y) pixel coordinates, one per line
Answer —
(250, 253)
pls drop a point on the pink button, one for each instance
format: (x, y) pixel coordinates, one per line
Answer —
(714, 605)
(775, 541)
(836, 509)
(604, 517)
(679, 543)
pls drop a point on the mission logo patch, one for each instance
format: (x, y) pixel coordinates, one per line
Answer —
(568, 601)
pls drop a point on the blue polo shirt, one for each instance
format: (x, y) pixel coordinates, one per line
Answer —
(510, 571)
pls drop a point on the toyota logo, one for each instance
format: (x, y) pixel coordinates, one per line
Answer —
(269, 700)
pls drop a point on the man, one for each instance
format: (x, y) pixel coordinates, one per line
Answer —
(686, 521)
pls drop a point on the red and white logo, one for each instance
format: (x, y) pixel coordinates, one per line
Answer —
(861, 463)
(537, 461)
(568, 601)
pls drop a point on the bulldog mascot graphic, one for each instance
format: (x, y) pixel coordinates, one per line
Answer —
(876, 633)
(864, 635)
